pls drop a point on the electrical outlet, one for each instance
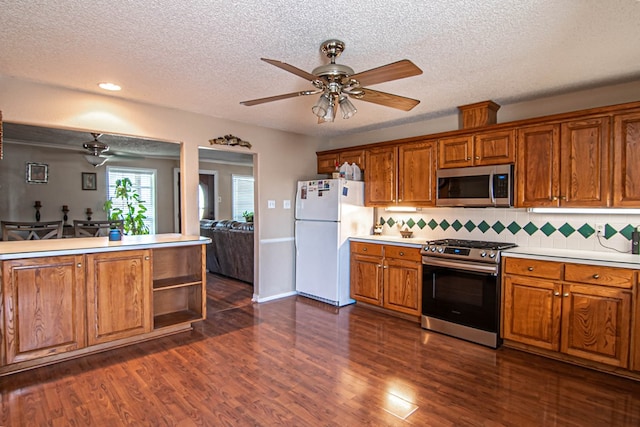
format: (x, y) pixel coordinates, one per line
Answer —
(599, 229)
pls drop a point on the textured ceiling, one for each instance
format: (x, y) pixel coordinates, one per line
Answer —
(204, 55)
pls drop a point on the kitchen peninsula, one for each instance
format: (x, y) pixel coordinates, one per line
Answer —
(66, 298)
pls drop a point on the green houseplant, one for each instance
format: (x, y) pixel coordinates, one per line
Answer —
(133, 215)
(248, 216)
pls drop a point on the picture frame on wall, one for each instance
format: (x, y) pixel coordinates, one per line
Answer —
(89, 181)
(37, 173)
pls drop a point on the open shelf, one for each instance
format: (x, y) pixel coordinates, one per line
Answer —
(175, 282)
(170, 319)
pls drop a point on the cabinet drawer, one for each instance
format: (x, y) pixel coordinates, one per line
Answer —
(533, 268)
(402, 252)
(598, 275)
(366, 248)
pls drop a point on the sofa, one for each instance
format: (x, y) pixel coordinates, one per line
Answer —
(230, 252)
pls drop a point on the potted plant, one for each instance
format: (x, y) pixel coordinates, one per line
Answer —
(133, 217)
(248, 216)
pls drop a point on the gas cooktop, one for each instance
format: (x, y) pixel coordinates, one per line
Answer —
(468, 250)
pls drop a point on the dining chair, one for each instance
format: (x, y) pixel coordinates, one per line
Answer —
(17, 230)
(95, 228)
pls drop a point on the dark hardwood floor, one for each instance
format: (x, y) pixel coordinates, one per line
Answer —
(296, 362)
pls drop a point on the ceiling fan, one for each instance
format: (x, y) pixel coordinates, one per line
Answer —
(336, 83)
(96, 150)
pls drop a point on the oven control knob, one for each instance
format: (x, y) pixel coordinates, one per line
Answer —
(433, 248)
(440, 250)
(483, 254)
(492, 255)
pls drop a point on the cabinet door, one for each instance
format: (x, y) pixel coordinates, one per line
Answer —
(494, 148)
(531, 311)
(626, 173)
(44, 303)
(403, 286)
(596, 323)
(635, 338)
(380, 176)
(353, 156)
(455, 152)
(118, 295)
(366, 278)
(538, 166)
(417, 174)
(327, 162)
(585, 178)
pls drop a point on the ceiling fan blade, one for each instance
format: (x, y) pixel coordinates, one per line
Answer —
(388, 100)
(277, 97)
(290, 68)
(386, 73)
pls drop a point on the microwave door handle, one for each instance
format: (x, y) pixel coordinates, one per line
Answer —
(491, 195)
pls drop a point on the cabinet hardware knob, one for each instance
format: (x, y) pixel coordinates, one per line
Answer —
(477, 157)
(379, 265)
(401, 253)
(79, 265)
(386, 266)
(364, 249)
(146, 258)
(557, 294)
(468, 158)
(530, 268)
(566, 294)
(596, 276)
(554, 198)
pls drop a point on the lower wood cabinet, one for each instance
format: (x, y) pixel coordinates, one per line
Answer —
(118, 295)
(44, 307)
(582, 311)
(59, 307)
(388, 276)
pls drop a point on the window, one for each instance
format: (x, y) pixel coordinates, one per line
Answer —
(242, 195)
(144, 182)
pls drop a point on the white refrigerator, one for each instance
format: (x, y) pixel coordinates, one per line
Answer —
(327, 213)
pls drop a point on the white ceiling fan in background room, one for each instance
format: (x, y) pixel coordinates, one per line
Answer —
(336, 83)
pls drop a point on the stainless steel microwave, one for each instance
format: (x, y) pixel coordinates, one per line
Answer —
(479, 186)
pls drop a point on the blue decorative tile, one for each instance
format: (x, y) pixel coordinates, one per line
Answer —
(586, 230)
(530, 228)
(469, 225)
(444, 224)
(609, 231)
(548, 229)
(432, 224)
(514, 227)
(457, 225)
(483, 226)
(421, 223)
(498, 227)
(566, 230)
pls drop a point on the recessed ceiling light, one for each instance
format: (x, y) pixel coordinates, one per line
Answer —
(109, 86)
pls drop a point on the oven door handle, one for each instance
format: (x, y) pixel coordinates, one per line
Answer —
(461, 265)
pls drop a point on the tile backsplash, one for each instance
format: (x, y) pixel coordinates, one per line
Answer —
(561, 231)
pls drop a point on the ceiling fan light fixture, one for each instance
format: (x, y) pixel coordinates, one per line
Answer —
(347, 107)
(95, 161)
(331, 112)
(321, 107)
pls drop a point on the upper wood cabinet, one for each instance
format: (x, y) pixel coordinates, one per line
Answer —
(44, 300)
(564, 164)
(480, 149)
(401, 175)
(626, 169)
(327, 161)
(118, 295)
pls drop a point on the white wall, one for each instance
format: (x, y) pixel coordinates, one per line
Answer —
(281, 158)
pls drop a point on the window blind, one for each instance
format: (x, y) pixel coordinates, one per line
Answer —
(144, 182)
(242, 195)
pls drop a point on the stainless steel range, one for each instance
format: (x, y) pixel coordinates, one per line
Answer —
(461, 289)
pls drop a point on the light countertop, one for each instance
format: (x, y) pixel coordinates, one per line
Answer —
(415, 242)
(85, 245)
(610, 259)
